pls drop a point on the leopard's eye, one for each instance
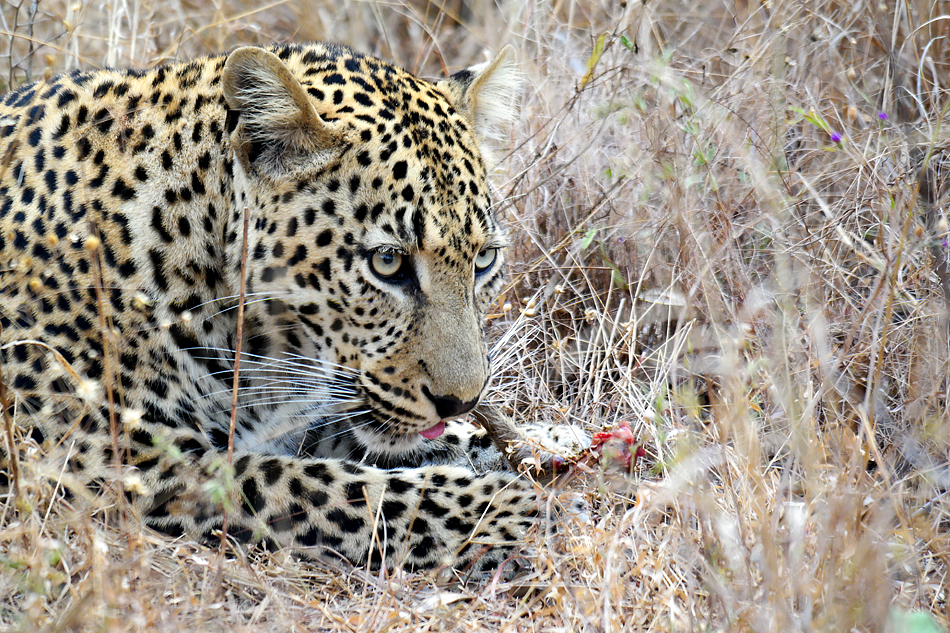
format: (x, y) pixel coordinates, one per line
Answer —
(386, 264)
(485, 259)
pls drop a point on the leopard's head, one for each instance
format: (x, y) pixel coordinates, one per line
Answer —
(372, 234)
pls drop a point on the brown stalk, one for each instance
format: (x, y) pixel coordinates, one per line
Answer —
(94, 249)
(8, 427)
(237, 366)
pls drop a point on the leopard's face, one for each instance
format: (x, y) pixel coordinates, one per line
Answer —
(375, 247)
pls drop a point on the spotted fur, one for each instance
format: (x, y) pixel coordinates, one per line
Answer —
(372, 255)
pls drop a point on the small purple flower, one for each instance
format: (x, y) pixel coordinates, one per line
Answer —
(835, 137)
(945, 243)
(882, 116)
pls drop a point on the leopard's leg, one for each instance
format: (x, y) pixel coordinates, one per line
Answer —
(543, 449)
(420, 518)
(498, 444)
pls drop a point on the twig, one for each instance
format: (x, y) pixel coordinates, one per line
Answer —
(94, 248)
(235, 384)
(8, 426)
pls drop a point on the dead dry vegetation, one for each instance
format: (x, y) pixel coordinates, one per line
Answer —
(729, 233)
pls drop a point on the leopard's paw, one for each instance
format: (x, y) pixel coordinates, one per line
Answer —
(550, 448)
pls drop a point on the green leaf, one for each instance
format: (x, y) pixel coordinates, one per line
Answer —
(913, 622)
(814, 118)
(626, 42)
(616, 276)
(588, 238)
(618, 279)
(593, 59)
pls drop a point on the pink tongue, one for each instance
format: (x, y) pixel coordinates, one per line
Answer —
(434, 432)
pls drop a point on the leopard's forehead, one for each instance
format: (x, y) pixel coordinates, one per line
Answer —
(409, 143)
(356, 84)
(385, 106)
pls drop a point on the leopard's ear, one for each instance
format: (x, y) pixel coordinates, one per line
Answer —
(277, 127)
(488, 94)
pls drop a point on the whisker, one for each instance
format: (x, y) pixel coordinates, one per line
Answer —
(260, 297)
(327, 407)
(291, 360)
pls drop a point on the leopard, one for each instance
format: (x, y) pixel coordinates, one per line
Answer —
(249, 292)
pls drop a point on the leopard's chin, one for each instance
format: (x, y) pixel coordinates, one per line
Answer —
(383, 438)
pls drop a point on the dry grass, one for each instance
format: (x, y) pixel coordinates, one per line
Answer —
(719, 239)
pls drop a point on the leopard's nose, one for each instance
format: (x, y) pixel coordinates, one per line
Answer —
(449, 406)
